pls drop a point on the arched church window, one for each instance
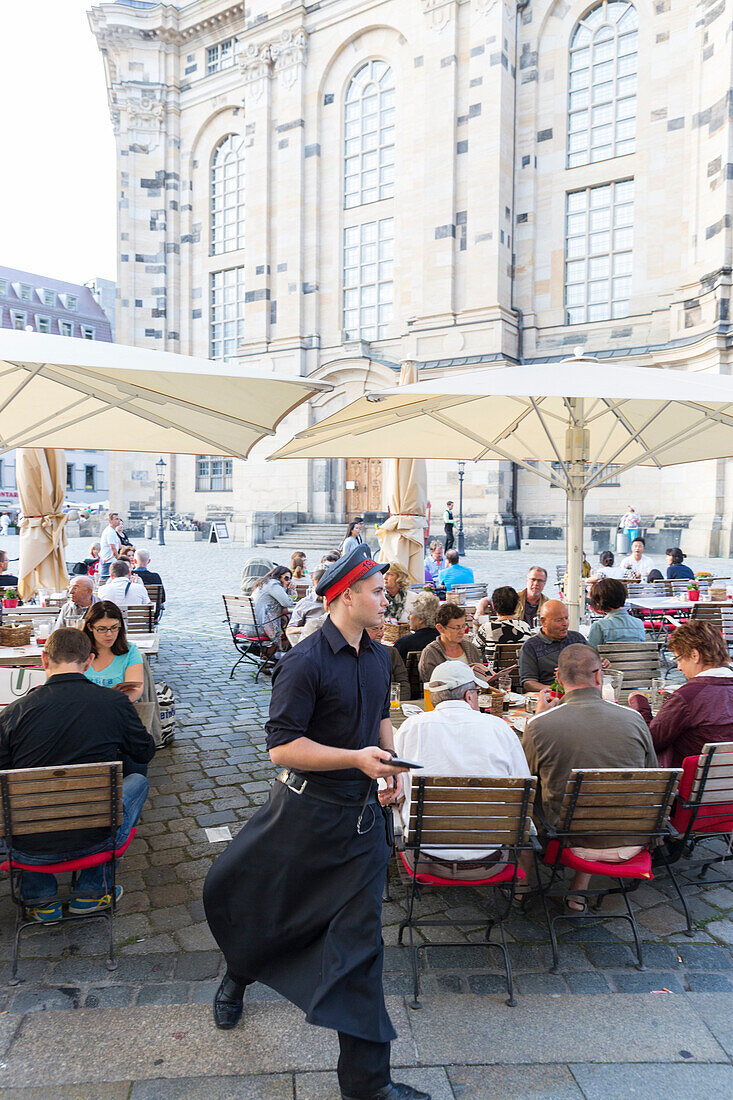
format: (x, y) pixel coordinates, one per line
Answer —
(227, 195)
(369, 135)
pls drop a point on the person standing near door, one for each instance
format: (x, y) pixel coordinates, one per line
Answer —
(449, 525)
(353, 537)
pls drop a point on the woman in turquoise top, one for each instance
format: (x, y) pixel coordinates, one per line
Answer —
(116, 663)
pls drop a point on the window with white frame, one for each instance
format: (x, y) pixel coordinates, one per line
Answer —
(227, 195)
(369, 135)
(87, 332)
(17, 319)
(220, 56)
(226, 320)
(72, 302)
(213, 475)
(66, 328)
(43, 324)
(26, 292)
(602, 85)
(368, 279)
(3, 288)
(48, 297)
(599, 237)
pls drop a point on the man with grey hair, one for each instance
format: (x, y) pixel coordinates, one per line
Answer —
(123, 589)
(141, 570)
(456, 739)
(81, 598)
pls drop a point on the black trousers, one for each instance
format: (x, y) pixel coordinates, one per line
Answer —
(449, 539)
(363, 1067)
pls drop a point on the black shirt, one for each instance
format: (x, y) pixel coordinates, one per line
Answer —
(7, 580)
(70, 720)
(322, 689)
(415, 642)
(147, 577)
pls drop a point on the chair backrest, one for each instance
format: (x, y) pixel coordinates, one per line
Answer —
(635, 589)
(241, 616)
(618, 805)
(17, 682)
(465, 812)
(154, 591)
(560, 571)
(721, 617)
(707, 790)
(639, 662)
(301, 589)
(506, 654)
(471, 592)
(140, 620)
(60, 799)
(412, 664)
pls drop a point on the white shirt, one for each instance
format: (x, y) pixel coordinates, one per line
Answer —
(615, 572)
(722, 670)
(116, 589)
(456, 740)
(109, 539)
(643, 566)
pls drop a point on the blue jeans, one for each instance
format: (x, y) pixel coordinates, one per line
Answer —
(92, 881)
(104, 569)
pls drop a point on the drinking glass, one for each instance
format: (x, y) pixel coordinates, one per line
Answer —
(612, 686)
(536, 624)
(657, 695)
(428, 700)
(395, 697)
(504, 682)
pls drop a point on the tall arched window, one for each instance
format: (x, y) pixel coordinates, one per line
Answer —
(227, 195)
(602, 96)
(369, 135)
(369, 162)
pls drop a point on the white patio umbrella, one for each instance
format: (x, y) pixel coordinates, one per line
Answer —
(56, 391)
(582, 421)
(401, 535)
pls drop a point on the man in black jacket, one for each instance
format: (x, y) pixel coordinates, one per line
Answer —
(70, 720)
(142, 561)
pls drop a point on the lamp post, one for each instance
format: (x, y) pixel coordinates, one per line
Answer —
(160, 466)
(461, 537)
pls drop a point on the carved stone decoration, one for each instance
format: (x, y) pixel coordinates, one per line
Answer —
(256, 68)
(289, 55)
(144, 105)
(439, 13)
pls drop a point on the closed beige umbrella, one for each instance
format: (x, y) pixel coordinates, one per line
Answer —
(401, 536)
(41, 479)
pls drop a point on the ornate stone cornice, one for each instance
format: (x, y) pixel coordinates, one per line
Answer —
(285, 56)
(289, 55)
(439, 13)
(256, 67)
(138, 107)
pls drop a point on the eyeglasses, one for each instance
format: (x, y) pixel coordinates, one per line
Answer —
(456, 626)
(106, 629)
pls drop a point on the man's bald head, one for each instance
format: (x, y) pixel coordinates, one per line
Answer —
(554, 620)
(578, 667)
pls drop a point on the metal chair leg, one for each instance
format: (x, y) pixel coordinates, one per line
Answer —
(689, 931)
(634, 927)
(14, 979)
(511, 999)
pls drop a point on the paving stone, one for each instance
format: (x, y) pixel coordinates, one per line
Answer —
(110, 996)
(197, 937)
(165, 993)
(705, 958)
(540, 983)
(603, 956)
(110, 1090)
(702, 982)
(645, 981)
(721, 930)
(61, 997)
(324, 1086)
(530, 1082)
(672, 1082)
(195, 967)
(586, 981)
(269, 1087)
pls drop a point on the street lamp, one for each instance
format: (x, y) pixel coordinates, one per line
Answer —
(160, 466)
(461, 537)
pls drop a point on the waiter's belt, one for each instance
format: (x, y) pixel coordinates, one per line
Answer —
(305, 784)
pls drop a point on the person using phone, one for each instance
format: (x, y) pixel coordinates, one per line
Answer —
(295, 901)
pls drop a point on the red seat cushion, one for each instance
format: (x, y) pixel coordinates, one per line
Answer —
(69, 864)
(252, 638)
(710, 819)
(639, 866)
(506, 875)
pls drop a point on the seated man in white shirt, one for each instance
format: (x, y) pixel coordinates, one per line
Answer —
(124, 589)
(455, 739)
(639, 563)
(310, 607)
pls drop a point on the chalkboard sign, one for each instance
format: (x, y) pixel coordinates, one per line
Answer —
(219, 531)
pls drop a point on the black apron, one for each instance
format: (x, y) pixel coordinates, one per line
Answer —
(295, 902)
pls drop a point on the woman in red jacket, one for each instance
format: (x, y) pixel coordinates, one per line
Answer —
(701, 710)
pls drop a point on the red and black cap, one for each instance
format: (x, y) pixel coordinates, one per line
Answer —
(355, 566)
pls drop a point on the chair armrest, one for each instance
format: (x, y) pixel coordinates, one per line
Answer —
(399, 832)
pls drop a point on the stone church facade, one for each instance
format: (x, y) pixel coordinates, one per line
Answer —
(334, 188)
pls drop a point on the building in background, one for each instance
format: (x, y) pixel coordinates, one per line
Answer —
(104, 292)
(41, 304)
(336, 188)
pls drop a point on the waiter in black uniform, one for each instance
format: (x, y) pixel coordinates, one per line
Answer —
(296, 899)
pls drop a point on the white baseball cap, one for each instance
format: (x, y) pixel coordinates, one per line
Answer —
(454, 674)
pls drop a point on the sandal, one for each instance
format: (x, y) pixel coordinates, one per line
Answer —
(576, 903)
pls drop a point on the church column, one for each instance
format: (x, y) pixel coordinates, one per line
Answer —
(256, 67)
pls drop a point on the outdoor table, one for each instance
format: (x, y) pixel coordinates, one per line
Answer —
(30, 655)
(670, 607)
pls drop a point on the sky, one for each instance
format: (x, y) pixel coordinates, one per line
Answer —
(57, 149)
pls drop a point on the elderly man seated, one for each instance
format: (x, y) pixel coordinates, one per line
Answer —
(124, 589)
(70, 720)
(582, 731)
(81, 598)
(456, 739)
(147, 576)
(452, 643)
(539, 655)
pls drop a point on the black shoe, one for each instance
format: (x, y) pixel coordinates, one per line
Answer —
(228, 1003)
(394, 1091)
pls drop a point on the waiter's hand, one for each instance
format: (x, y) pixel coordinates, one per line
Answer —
(375, 763)
(392, 792)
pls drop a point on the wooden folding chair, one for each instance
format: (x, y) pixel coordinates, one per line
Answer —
(506, 654)
(720, 617)
(639, 661)
(248, 637)
(703, 813)
(478, 815)
(412, 664)
(155, 591)
(140, 620)
(604, 808)
(65, 799)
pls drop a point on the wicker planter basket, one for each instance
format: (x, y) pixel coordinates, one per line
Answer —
(394, 631)
(15, 634)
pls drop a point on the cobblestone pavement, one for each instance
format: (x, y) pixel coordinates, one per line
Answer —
(217, 772)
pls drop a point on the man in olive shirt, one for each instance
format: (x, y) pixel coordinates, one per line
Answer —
(583, 731)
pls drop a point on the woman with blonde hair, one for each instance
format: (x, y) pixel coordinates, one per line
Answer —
(397, 590)
(425, 607)
(297, 566)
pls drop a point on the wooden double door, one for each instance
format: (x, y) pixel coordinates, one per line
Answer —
(365, 474)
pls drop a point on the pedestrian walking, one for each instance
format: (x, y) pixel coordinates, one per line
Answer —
(631, 524)
(295, 901)
(449, 525)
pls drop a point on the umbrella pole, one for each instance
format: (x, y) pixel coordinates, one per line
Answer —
(575, 595)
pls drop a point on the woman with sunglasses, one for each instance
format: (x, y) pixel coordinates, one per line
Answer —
(116, 663)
